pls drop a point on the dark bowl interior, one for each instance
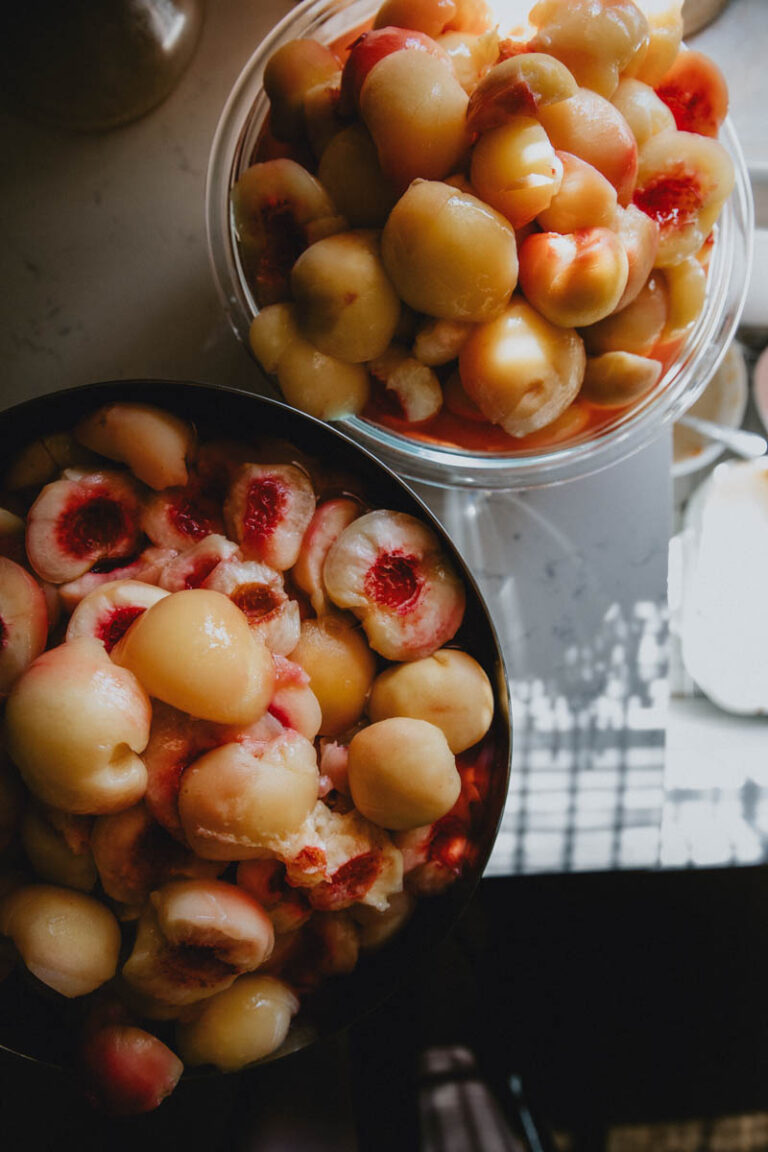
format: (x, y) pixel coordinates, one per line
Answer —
(38, 1024)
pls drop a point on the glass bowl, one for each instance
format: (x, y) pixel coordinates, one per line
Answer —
(41, 1025)
(444, 466)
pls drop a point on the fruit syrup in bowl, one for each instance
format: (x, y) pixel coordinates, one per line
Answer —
(450, 452)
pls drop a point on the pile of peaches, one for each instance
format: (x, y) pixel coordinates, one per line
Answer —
(509, 230)
(238, 743)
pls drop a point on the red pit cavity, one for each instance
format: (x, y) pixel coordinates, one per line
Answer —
(91, 524)
(393, 581)
(348, 883)
(191, 520)
(692, 110)
(264, 507)
(255, 600)
(117, 623)
(672, 201)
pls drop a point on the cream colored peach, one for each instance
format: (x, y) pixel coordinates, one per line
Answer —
(23, 621)
(402, 773)
(321, 385)
(642, 109)
(415, 110)
(273, 329)
(234, 803)
(521, 370)
(67, 940)
(345, 302)
(245, 1023)
(597, 41)
(194, 939)
(341, 667)
(449, 689)
(471, 54)
(448, 253)
(438, 342)
(514, 169)
(591, 128)
(518, 86)
(195, 651)
(635, 328)
(349, 170)
(52, 857)
(155, 444)
(75, 724)
(618, 378)
(412, 385)
(640, 236)
(665, 27)
(291, 72)
(377, 928)
(259, 592)
(686, 285)
(585, 199)
(293, 702)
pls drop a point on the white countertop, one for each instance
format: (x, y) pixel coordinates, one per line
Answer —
(104, 274)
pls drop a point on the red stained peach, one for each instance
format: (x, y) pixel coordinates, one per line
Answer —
(180, 517)
(518, 86)
(372, 47)
(329, 521)
(81, 519)
(574, 279)
(471, 54)
(127, 1070)
(695, 91)
(194, 565)
(268, 509)
(147, 568)
(258, 591)
(389, 569)
(107, 612)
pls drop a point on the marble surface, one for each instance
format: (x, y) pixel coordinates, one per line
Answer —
(104, 274)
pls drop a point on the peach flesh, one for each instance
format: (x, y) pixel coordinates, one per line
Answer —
(373, 46)
(267, 510)
(695, 91)
(23, 621)
(128, 1071)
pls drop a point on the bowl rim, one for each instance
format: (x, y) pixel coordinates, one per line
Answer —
(45, 413)
(442, 466)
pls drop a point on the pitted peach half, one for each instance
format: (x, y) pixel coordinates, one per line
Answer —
(83, 518)
(291, 72)
(449, 689)
(437, 342)
(195, 651)
(23, 622)
(108, 611)
(515, 169)
(195, 938)
(175, 740)
(258, 591)
(415, 110)
(695, 91)
(180, 517)
(518, 86)
(268, 509)
(521, 370)
(147, 568)
(412, 386)
(402, 773)
(389, 569)
(134, 855)
(279, 210)
(330, 519)
(287, 907)
(435, 241)
(585, 199)
(590, 127)
(682, 183)
(345, 302)
(350, 171)
(192, 567)
(75, 724)
(239, 1026)
(66, 939)
(52, 857)
(576, 278)
(155, 444)
(618, 378)
(234, 803)
(333, 651)
(597, 41)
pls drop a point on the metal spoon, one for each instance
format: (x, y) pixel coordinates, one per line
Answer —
(743, 443)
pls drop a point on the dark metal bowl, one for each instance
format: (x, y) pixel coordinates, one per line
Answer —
(36, 1023)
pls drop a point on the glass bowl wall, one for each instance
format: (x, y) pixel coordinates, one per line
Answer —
(684, 380)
